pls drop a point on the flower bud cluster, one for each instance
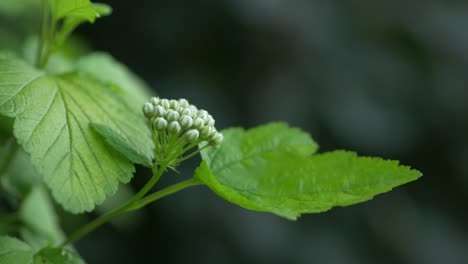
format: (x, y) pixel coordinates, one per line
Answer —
(179, 117)
(177, 128)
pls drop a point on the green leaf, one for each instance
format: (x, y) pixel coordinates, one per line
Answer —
(122, 145)
(15, 251)
(106, 69)
(53, 116)
(41, 227)
(102, 9)
(57, 256)
(82, 9)
(75, 13)
(267, 169)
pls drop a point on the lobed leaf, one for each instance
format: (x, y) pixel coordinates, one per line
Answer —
(82, 9)
(73, 13)
(53, 116)
(106, 69)
(270, 169)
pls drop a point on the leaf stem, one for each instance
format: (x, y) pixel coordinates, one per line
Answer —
(135, 203)
(164, 192)
(43, 38)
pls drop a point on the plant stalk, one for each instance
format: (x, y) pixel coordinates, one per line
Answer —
(135, 203)
(43, 38)
(163, 193)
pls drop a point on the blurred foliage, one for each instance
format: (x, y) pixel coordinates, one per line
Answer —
(383, 78)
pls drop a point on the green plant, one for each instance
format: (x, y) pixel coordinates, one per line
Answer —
(75, 126)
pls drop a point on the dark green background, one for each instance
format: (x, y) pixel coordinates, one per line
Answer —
(386, 78)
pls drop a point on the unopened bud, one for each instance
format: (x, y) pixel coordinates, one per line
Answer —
(210, 121)
(217, 139)
(193, 108)
(187, 112)
(183, 103)
(172, 115)
(192, 134)
(155, 101)
(160, 123)
(165, 103)
(202, 113)
(174, 127)
(207, 131)
(174, 104)
(186, 121)
(198, 123)
(159, 111)
(148, 110)
(213, 134)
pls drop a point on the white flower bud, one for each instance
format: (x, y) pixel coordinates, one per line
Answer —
(172, 115)
(186, 121)
(174, 127)
(160, 123)
(180, 110)
(165, 103)
(183, 103)
(210, 121)
(206, 132)
(192, 134)
(202, 113)
(213, 134)
(187, 111)
(217, 139)
(198, 123)
(155, 101)
(193, 108)
(174, 104)
(159, 111)
(148, 110)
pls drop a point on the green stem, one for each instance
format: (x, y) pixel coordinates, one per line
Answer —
(134, 204)
(157, 173)
(93, 225)
(43, 35)
(164, 192)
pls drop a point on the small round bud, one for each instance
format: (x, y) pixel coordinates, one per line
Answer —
(186, 121)
(148, 110)
(174, 127)
(172, 115)
(187, 112)
(160, 123)
(174, 104)
(183, 103)
(165, 103)
(198, 123)
(159, 111)
(217, 139)
(202, 113)
(155, 101)
(192, 134)
(193, 108)
(207, 131)
(210, 121)
(180, 110)
(213, 134)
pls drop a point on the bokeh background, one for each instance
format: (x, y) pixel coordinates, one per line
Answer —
(384, 78)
